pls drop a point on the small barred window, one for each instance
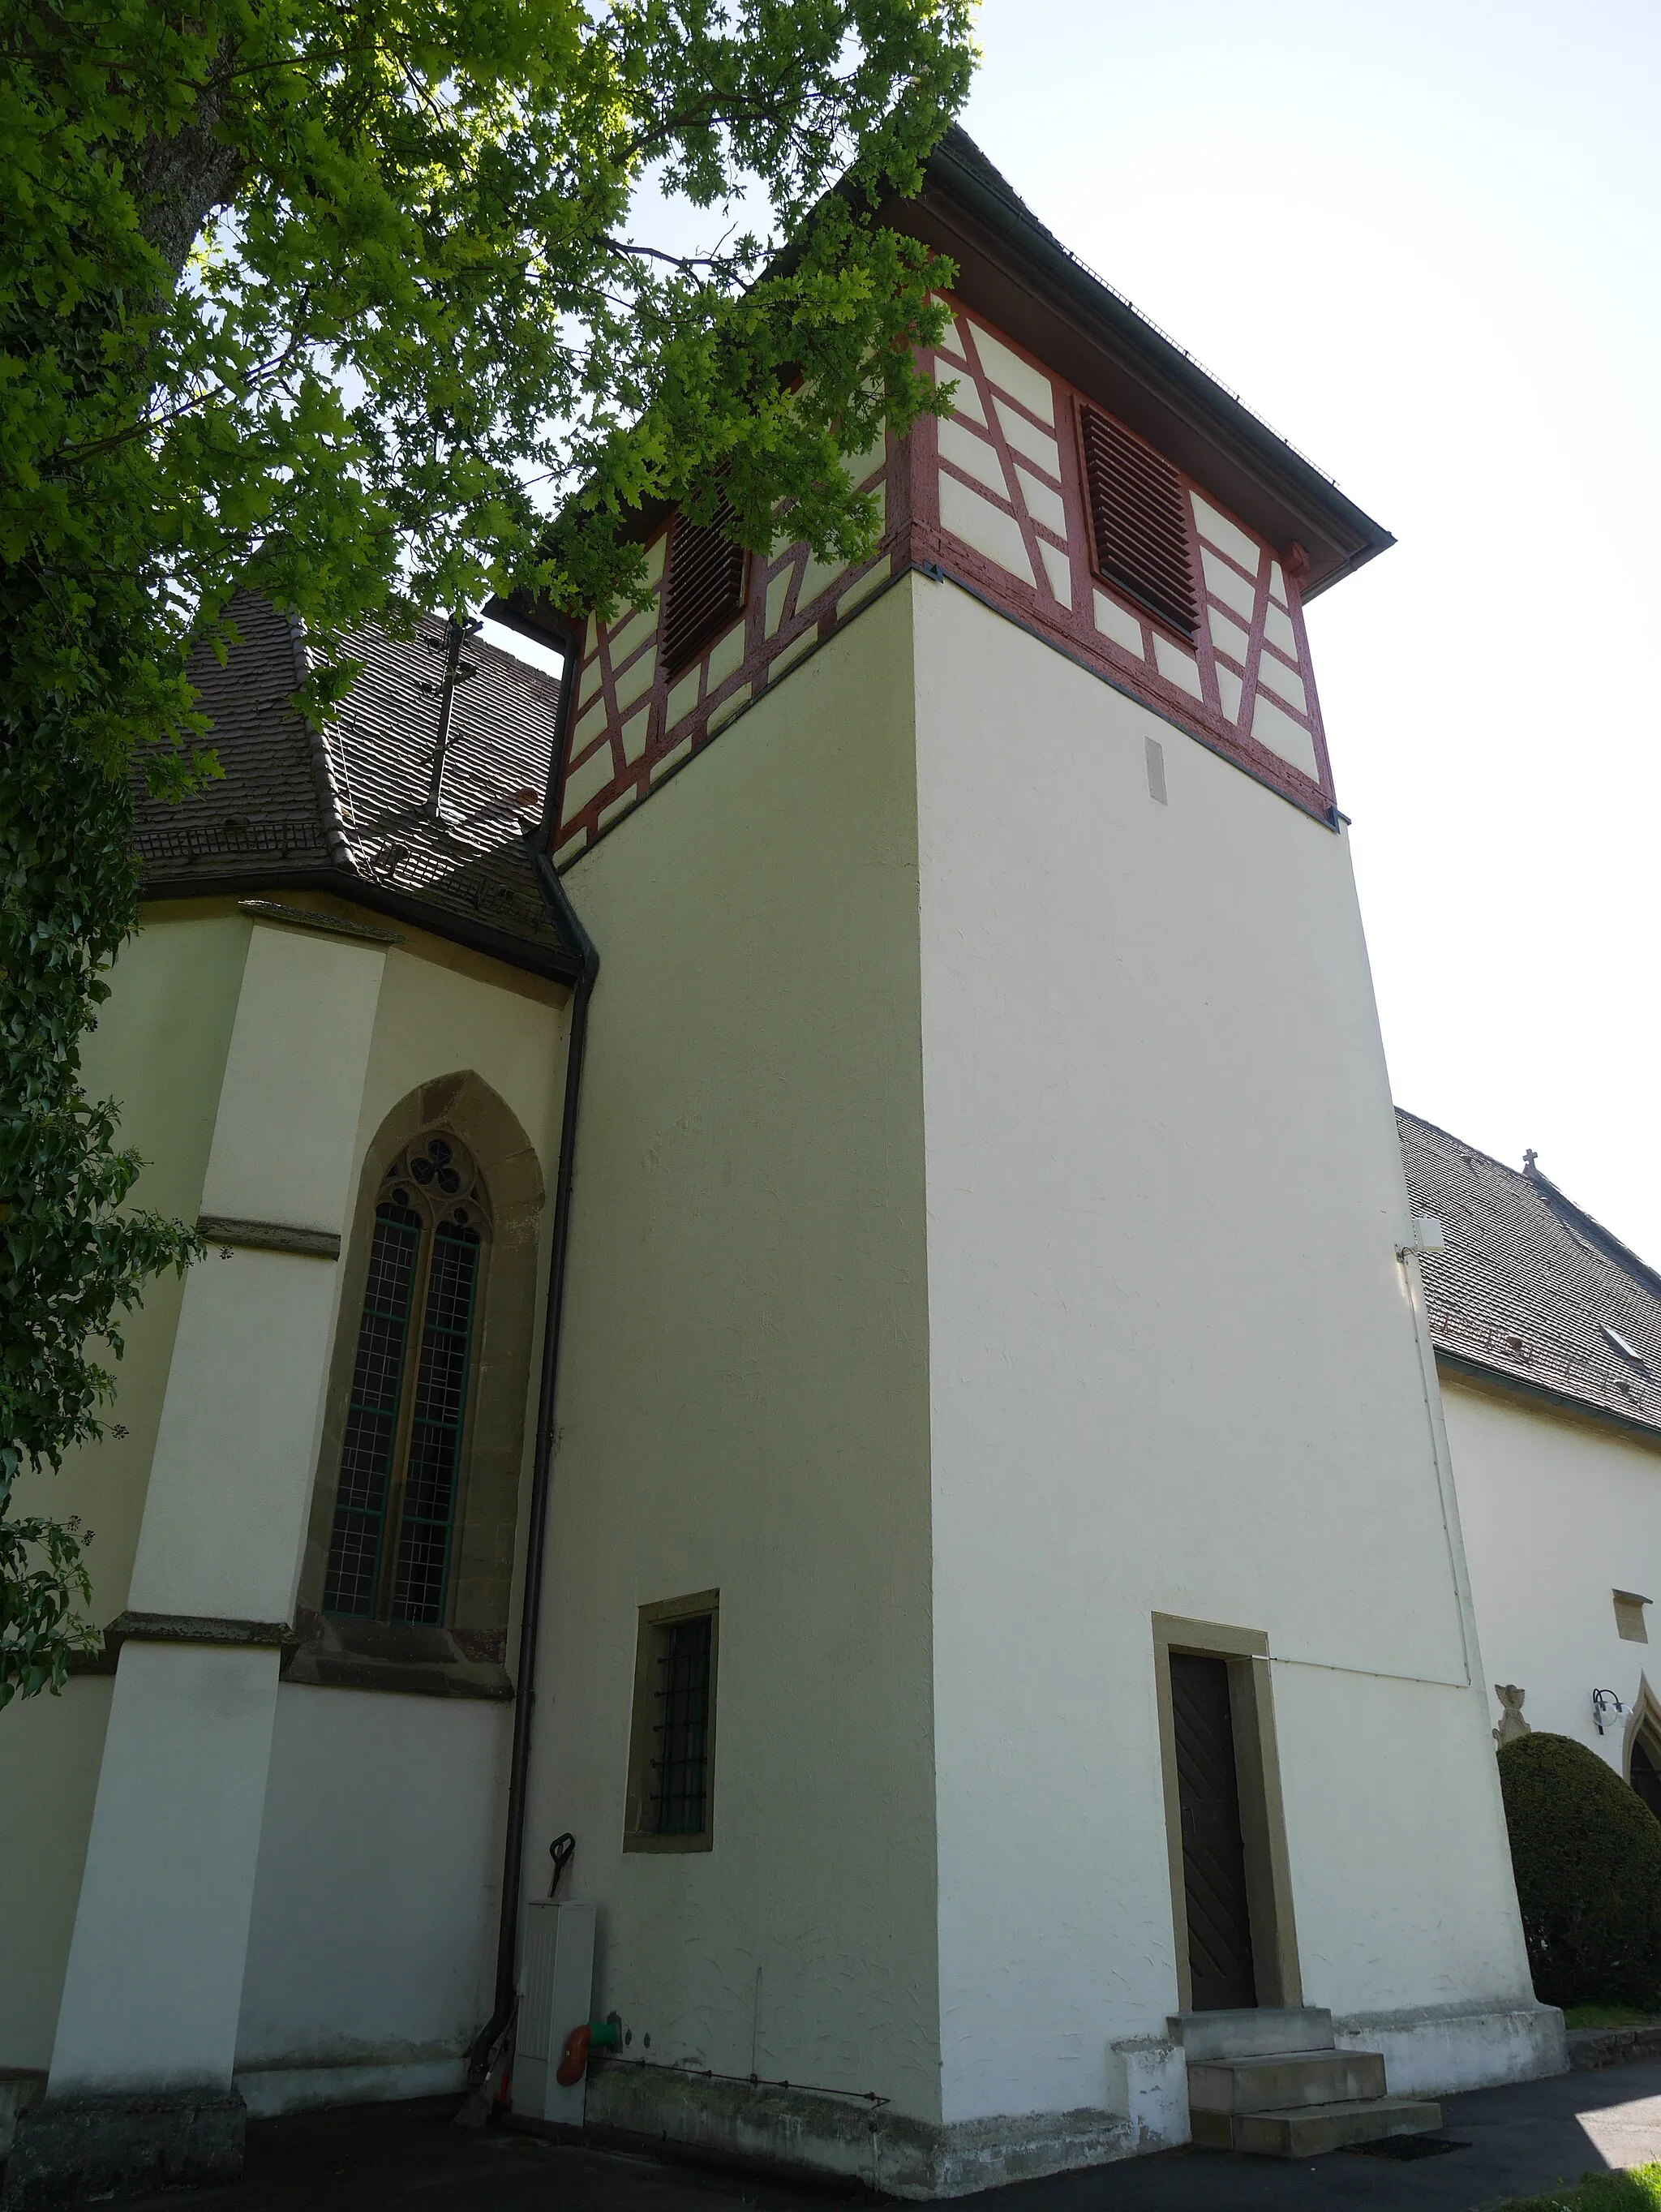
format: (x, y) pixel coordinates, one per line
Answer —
(672, 1743)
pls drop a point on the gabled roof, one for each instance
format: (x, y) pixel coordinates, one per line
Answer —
(1019, 273)
(344, 811)
(1530, 1283)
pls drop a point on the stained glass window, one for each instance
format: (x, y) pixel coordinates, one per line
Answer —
(401, 1453)
(435, 1430)
(372, 1417)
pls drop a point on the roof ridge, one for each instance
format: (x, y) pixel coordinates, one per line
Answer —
(1621, 1253)
(1555, 1196)
(1403, 1113)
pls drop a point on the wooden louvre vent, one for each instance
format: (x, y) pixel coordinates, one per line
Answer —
(704, 589)
(1137, 512)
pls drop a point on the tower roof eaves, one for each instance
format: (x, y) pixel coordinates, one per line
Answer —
(1013, 267)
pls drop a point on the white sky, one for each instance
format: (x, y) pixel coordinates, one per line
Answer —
(1421, 241)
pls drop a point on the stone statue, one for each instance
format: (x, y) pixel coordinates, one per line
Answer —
(1511, 1723)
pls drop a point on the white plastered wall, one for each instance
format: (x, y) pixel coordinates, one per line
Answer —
(371, 1943)
(405, 1794)
(1560, 1511)
(1174, 1368)
(159, 1048)
(373, 1926)
(743, 1404)
(152, 1983)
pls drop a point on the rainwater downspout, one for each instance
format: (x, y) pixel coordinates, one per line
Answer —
(535, 1548)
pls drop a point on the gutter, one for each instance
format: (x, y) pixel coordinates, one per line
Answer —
(1501, 1380)
(484, 2053)
(560, 965)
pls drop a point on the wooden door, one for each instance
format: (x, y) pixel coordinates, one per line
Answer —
(1213, 1853)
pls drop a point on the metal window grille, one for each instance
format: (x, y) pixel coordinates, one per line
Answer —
(704, 589)
(440, 1401)
(371, 1420)
(680, 1770)
(1138, 515)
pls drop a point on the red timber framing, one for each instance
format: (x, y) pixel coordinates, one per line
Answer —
(995, 500)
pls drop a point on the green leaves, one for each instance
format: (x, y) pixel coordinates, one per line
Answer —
(342, 299)
(415, 323)
(43, 1573)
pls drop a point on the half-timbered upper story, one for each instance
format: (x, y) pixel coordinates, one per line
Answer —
(1092, 484)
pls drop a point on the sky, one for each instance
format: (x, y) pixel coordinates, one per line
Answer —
(1423, 242)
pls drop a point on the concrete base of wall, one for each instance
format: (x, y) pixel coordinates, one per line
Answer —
(22, 2088)
(272, 2089)
(1435, 2049)
(70, 2149)
(810, 2132)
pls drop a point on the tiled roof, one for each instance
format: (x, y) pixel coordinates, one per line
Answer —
(353, 801)
(1529, 1283)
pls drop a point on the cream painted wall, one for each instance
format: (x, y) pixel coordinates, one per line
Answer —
(159, 1048)
(743, 1404)
(374, 1935)
(1174, 1367)
(373, 1941)
(153, 1979)
(152, 1985)
(50, 1750)
(442, 1009)
(1559, 1512)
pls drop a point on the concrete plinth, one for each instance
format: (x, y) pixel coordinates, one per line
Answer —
(781, 2130)
(69, 2150)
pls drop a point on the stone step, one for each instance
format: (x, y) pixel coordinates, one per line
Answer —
(1307, 2131)
(1281, 2081)
(1259, 2032)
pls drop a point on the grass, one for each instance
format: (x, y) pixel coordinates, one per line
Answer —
(1606, 2016)
(1637, 2192)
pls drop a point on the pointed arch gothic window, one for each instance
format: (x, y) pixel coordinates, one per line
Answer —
(1643, 1745)
(401, 1453)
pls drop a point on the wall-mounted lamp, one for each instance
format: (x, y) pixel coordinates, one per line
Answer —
(1605, 1706)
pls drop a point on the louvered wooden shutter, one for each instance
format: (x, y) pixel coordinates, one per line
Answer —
(705, 586)
(1137, 512)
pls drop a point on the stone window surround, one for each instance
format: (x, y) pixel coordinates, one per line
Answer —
(1263, 1815)
(637, 1834)
(465, 1656)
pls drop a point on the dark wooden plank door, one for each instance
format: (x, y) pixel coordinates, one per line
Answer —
(1212, 1854)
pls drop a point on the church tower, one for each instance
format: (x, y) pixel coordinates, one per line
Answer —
(896, 1410)
(1006, 1602)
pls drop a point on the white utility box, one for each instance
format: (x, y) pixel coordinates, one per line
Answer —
(557, 1990)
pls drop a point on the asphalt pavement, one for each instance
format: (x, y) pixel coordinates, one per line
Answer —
(409, 2158)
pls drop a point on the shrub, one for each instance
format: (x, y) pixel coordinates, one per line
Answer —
(1586, 1851)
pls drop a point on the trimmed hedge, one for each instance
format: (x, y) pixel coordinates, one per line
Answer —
(1586, 1852)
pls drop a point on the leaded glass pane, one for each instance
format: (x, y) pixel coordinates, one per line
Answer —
(372, 1418)
(429, 1497)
